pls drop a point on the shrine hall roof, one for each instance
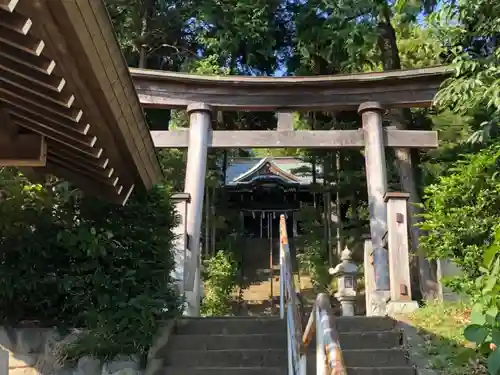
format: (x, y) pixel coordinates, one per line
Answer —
(64, 83)
(291, 170)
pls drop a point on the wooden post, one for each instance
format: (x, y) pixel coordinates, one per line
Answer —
(376, 181)
(399, 261)
(199, 129)
(285, 121)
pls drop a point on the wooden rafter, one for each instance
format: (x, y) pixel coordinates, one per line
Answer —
(57, 60)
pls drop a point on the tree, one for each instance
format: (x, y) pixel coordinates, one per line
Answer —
(471, 32)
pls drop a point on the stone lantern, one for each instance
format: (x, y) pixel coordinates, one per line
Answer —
(346, 273)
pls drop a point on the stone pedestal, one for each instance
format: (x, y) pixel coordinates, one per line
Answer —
(181, 201)
(348, 306)
(376, 301)
(401, 307)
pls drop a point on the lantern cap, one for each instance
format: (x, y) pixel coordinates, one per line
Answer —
(346, 254)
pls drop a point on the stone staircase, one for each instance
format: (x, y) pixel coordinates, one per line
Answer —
(371, 346)
(227, 346)
(257, 345)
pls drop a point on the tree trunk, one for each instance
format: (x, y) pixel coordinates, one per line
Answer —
(143, 47)
(338, 213)
(390, 59)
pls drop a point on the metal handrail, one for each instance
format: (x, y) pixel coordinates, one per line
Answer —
(329, 358)
(289, 306)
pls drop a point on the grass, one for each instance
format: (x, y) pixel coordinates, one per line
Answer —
(441, 325)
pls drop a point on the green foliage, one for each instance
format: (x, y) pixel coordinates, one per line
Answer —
(484, 329)
(220, 276)
(469, 29)
(461, 211)
(156, 27)
(312, 256)
(441, 325)
(69, 260)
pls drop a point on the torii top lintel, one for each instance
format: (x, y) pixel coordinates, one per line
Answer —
(392, 89)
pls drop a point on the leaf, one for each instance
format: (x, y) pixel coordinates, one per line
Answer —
(484, 348)
(495, 336)
(490, 284)
(494, 362)
(476, 333)
(496, 268)
(489, 255)
(491, 314)
(465, 355)
(477, 317)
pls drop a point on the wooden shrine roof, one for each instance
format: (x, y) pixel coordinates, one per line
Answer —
(62, 76)
(245, 170)
(393, 89)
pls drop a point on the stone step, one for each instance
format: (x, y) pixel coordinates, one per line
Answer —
(225, 371)
(230, 326)
(278, 371)
(375, 358)
(348, 340)
(371, 340)
(217, 342)
(406, 370)
(271, 325)
(228, 358)
(369, 362)
(367, 340)
(364, 323)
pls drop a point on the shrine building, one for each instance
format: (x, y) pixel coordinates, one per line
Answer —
(262, 189)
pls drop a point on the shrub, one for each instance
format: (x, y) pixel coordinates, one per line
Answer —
(69, 260)
(460, 212)
(484, 329)
(220, 274)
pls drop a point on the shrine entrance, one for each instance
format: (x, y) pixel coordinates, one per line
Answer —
(371, 94)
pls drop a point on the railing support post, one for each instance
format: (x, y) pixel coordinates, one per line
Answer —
(282, 282)
(303, 364)
(320, 347)
(290, 350)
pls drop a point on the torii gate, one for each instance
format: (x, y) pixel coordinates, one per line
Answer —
(369, 93)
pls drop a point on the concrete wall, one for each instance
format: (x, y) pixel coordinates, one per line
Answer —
(446, 269)
(31, 351)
